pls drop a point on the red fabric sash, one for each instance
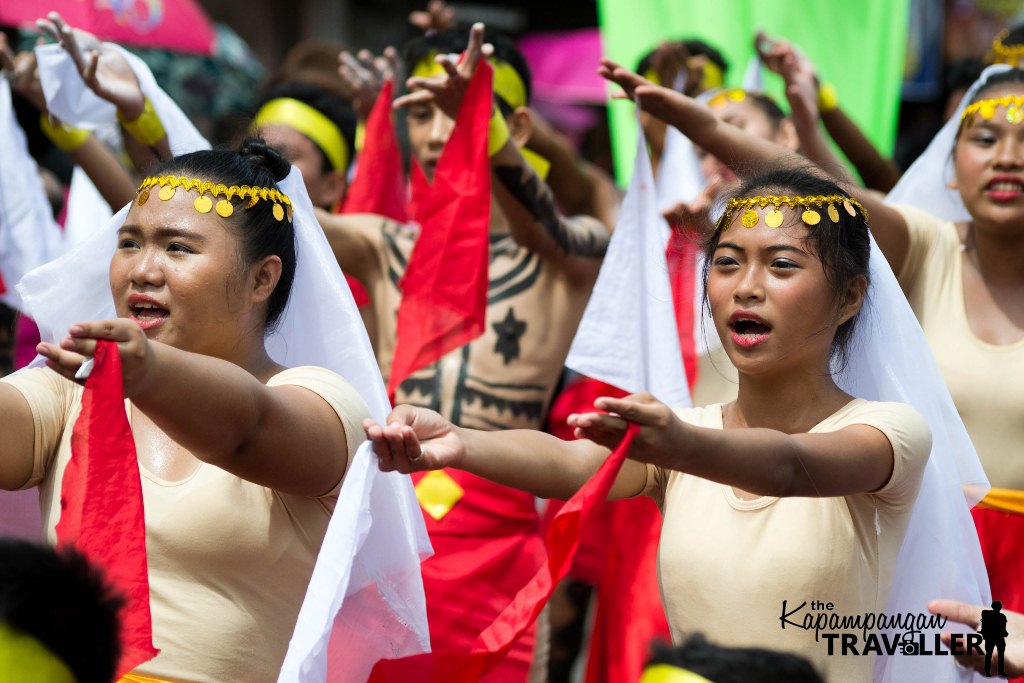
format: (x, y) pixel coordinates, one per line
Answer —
(379, 183)
(681, 254)
(101, 503)
(562, 539)
(444, 289)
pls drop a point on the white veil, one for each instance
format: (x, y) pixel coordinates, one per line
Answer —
(926, 183)
(366, 584)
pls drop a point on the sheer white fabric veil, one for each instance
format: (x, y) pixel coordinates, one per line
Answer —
(366, 585)
(926, 183)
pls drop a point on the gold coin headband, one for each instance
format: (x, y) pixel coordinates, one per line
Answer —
(723, 97)
(774, 217)
(1005, 54)
(987, 108)
(203, 204)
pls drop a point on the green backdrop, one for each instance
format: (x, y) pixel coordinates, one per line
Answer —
(858, 45)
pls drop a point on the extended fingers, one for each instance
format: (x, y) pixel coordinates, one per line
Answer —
(474, 48)
(62, 361)
(606, 430)
(960, 612)
(119, 329)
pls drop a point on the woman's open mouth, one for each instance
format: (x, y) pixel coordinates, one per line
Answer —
(147, 314)
(749, 333)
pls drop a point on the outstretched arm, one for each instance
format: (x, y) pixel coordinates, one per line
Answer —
(416, 439)
(283, 437)
(745, 152)
(970, 615)
(855, 459)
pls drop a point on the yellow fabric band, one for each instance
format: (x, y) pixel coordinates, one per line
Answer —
(285, 111)
(1004, 500)
(828, 98)
(65, 137)
(652, 76)
(664, 673)
(725, 96)
(147, 129)
(507, 83)
(23, 658)
(136, 678)
(539, 164)
(497, 133)
(712, 77)
(360, 135)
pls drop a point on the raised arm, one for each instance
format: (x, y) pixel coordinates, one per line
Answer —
(577, 244)
(878, 172)
(855, 459)
(283, 437)
(85, 150)
(748, 154)
(355, 239)
(110, 76)
(416, 439)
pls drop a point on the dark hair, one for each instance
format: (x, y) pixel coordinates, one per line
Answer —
(454, 40)
(61, 601)
(735, 664)
(257, 165)
(337, 110)
(694, 47)
(844, 248)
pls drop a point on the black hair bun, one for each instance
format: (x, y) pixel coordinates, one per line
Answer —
(258, 153)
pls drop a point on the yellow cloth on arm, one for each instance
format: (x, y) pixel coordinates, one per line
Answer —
(23, 658)
(136, 678)
(147, 129)
(1004, 500)
(286, 111)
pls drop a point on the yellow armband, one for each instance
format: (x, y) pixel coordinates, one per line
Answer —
(828, 100)
(147, 129)
(66, 138)
(497, 133)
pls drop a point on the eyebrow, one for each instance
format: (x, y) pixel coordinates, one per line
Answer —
(773, 248)
(163, 233)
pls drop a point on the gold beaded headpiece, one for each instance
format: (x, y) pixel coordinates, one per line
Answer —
(774, 217)
(987, 108)
(726, 95)
(1005, 54)
(203, 204)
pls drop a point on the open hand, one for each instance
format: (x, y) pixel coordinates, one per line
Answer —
(661, 432)
(363, 76)
(134, 349)
(970, 615)
(414, 439)
(24, 73)
(448, 91)
(105, 71)
(439, 16)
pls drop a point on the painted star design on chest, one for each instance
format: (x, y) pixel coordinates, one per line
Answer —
(509, 331)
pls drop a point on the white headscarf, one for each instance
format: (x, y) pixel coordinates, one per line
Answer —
(366, 585)
(29, 237)
(926, 183)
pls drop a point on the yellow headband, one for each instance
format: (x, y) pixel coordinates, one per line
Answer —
(23, 658)
(1005, 54)
(507, 83)
(203, 204)
(664, 673)
(774, 218)
(987, 108)
(285, 111)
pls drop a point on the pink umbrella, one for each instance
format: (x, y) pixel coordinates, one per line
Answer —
(178, 25)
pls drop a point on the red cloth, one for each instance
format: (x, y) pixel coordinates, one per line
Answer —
(486, 549)
(1002, 545)
(440, 312)
(681, 254)
(561, 543)
(3, 285)
(101, 503)
(379, 183)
